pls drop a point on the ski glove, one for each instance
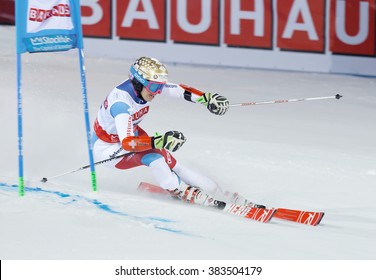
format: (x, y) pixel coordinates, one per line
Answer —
(171, 141)
(215, 103)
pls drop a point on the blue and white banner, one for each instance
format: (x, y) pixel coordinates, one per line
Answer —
(48, 25)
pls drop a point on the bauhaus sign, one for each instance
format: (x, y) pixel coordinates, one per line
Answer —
(348, 27)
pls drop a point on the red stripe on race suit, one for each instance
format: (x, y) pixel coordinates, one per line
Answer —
(103, 135)
(130, 143)
(192, 90)
(112, 138)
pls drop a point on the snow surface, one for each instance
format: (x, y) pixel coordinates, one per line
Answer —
(317, 155)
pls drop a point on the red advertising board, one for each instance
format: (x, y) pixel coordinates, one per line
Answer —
(96, 18)
(195, 21)
(345, 27)
(301, 25)
(7, 12)
(352, 27)
(141, 20)
(313, 26)
(248, 23)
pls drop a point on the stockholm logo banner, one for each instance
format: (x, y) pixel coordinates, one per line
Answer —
(47, 26)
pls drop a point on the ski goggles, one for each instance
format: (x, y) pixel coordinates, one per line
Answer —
(151, 86)
(154, 87)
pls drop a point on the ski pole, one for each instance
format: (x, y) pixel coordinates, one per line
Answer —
(337, 96)
(84, 167)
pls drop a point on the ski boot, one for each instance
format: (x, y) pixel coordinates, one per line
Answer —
(236, 198)
(194, 195)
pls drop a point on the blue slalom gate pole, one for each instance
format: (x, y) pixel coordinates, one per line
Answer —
(87, 120)
(39, 33)
(21, 187)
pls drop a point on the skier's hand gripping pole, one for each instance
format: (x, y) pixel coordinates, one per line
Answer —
(215, 103)
(171, 141)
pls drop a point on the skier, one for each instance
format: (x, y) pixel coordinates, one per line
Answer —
(117, 129)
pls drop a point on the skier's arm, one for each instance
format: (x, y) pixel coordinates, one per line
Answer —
(171, 141)
(215, 103)
(121, 111)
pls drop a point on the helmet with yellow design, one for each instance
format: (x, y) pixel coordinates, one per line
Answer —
(149, 72)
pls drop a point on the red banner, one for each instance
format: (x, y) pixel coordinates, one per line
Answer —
(301, 25)
(7, 15)
(96, 18)
(141, 20)
(345, 27)
(195, 21)
(248, 23)
(352, 27)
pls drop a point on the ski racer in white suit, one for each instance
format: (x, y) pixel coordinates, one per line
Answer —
(117, 130)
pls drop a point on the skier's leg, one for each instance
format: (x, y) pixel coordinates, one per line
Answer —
(162, 172)
(207, 185)
(161, 164)
(196, 179)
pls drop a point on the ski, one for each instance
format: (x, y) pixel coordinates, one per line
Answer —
(299, 216)
(262, 215)
(311, 218)
(150, 188)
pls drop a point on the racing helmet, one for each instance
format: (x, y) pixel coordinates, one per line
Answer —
(151, 73)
